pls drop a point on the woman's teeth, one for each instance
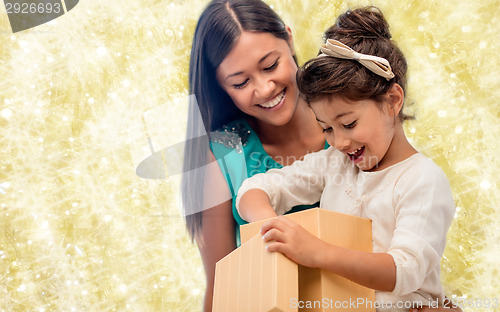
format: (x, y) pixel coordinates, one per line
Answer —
(275, 101)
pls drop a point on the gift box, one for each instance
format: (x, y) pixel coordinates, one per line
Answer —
(255, 280)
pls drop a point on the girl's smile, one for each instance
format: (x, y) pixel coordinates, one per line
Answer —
(357, 155)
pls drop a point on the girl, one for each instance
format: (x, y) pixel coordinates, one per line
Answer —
(242, 73)
(356, 89)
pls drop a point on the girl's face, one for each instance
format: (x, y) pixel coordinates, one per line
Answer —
(259, 76)
(361, 130)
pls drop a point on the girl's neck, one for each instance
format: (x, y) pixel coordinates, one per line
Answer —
(399, 150)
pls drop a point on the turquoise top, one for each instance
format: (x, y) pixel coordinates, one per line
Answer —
(240, 155)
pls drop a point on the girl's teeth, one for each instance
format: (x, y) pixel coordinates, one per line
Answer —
(354, 153)
(274, 101)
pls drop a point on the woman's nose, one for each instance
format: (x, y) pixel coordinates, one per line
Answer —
(264, 88)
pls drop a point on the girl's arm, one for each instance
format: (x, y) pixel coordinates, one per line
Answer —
(372, 270)
(278, 190)
(255, 205)
(424, 211)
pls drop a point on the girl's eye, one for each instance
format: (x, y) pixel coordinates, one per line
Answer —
(240, 85)
(327, 130)
(351, 125)
(272, 67)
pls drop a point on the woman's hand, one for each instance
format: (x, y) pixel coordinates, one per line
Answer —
(292, 240)
(438, 309)
(448, 307)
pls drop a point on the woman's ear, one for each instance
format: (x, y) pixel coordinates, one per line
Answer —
(395, 99)
(290, 39)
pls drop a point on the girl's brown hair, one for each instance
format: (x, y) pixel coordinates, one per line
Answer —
(366, 31)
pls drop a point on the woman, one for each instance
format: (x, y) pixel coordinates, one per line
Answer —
(242, 73)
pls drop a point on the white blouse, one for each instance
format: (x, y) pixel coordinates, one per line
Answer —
(410, 205)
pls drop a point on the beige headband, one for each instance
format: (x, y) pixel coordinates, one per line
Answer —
(378, 65)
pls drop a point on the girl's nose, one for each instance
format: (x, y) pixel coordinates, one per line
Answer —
(341, 141)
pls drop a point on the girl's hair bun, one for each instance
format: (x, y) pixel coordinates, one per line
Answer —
(366, 31)
(367, 22)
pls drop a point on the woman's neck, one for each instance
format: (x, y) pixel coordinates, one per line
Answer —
(299, 129)
(292, 141)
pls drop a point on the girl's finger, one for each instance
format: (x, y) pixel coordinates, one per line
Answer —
(276, 247)
(273, 235)
(275, 223)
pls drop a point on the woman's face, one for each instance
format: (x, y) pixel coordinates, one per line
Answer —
(259, 76)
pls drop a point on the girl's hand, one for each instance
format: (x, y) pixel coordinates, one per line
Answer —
(292, 240)
(372, 270)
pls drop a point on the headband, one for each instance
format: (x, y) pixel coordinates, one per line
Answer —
(377, 65)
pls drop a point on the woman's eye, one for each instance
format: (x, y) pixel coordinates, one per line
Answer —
(273, 66)
(327, 130)
(351, 125)
(240, 85)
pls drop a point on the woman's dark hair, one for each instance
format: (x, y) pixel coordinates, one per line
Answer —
(219, 27)
(366, 31)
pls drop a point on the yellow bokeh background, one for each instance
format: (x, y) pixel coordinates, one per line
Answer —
(80, 231)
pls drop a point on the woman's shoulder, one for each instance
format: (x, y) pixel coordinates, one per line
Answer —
(239, 142)
(233, 135)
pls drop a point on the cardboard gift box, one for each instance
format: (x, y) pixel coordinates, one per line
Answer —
(252, 279)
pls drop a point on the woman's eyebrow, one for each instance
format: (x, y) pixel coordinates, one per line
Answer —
(235, 74)
(265, 56)
(262, 59)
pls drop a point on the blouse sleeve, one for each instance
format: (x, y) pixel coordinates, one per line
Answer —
(298, 184)
(424, 211)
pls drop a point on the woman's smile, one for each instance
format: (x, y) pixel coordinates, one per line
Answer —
(259, 76)
(276, 102)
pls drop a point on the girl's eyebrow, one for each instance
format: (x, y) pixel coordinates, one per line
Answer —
(343, 114)
(260, 61)
(338, 116)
